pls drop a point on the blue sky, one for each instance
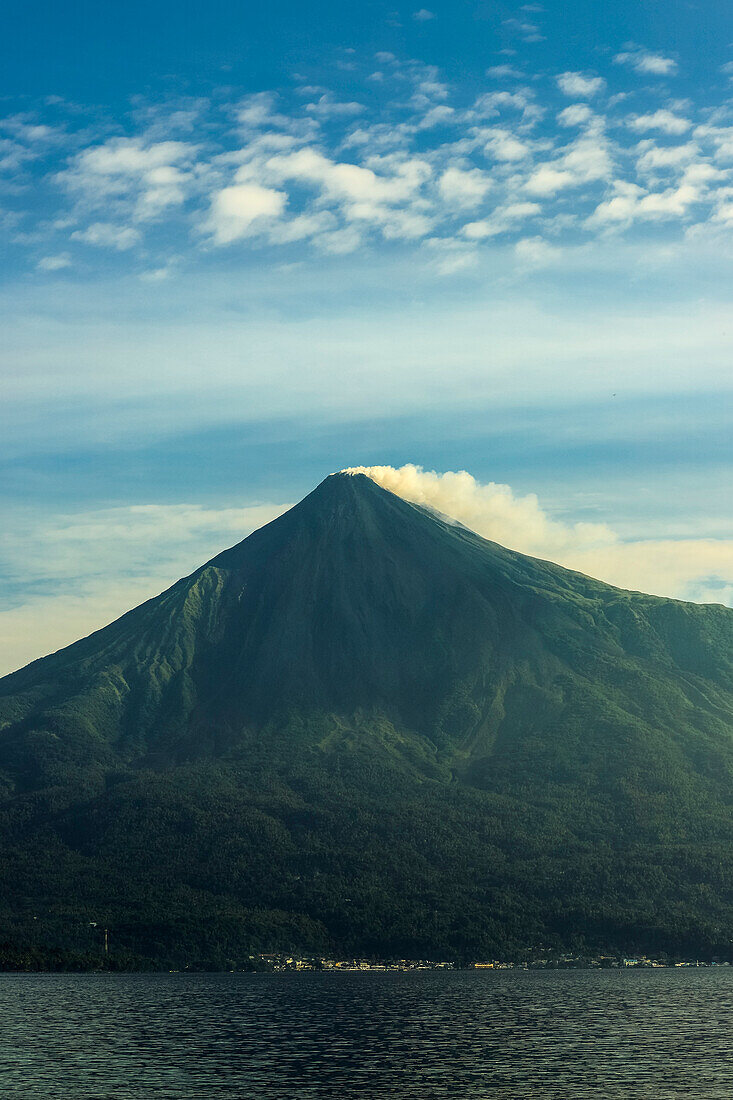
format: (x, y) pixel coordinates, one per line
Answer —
(247, 245)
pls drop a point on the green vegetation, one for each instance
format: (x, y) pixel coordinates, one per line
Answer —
(366, 731)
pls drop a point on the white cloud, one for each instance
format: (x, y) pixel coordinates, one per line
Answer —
(587, 159)
(700, 173)
(631, 203)
(54, 263)
(328, 107)
(580, 85)
(644, 61)
(308, 166)
(376, 137)
(24, 128)
(536, 252)
(724, 213)
(436, 116)
(503, 145)
(721, 137)
(655, 158)
(352, 183)
(302, 226)
(423, 15)
(577, 114)
(14, 155)
(156, 274)
(426, 82)
(130, 157)
(239, 210)
(108, 235)
(528, 32)
(164, 186)
(258, 111)
(340, 242)
(548, 179)
(664, 120)
(143, 179)
(494, 103)
(504, 72)
(387, 199)
(700, 570)
(463, 187)
(502, 220)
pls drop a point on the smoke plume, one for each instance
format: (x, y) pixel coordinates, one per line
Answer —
(490, 509)
(690, 569)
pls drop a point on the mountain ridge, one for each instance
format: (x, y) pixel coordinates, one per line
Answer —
(361, 636)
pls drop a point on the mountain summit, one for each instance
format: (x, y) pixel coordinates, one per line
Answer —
(366, 728)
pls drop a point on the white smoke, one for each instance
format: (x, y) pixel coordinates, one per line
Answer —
(689, 569)
(490, 509)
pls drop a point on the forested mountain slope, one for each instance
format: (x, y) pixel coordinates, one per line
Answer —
(366, 728)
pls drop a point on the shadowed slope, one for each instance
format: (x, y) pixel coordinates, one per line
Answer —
(361, 636)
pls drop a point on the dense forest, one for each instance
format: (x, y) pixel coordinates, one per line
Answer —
(366, 730)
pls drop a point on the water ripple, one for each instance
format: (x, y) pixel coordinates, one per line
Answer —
(610, 1035)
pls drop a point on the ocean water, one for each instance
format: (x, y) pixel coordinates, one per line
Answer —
(562, 1035)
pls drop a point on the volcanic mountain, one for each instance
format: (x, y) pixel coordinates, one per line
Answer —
(367, 729)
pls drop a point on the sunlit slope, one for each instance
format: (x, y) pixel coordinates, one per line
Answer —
(300, 721)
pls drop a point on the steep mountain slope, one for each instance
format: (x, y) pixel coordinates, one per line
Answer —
(366, 727)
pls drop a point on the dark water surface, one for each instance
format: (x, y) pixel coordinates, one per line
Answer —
(510, 1035)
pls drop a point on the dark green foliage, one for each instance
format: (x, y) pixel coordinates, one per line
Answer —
(367, 730)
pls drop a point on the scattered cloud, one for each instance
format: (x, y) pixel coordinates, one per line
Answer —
(584, 161)
(480, 186)
(536, 252)
(503, 145)
(504, 72)
(524, 29)
(656, 158)
(108, 235)
(240, 210)
(323, 169)
(646, 62)
(328, 107)
(423, 15)
(156, 275)
(436, 116)
(464, 187)
(143, 179)
(631, 202)
(577, 114)
(665, 121)
(503, 220)
(54, 263)
(580, 85)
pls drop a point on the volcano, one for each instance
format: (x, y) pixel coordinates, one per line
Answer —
(366, 729)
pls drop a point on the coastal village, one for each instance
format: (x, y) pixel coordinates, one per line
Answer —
(283, 962)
